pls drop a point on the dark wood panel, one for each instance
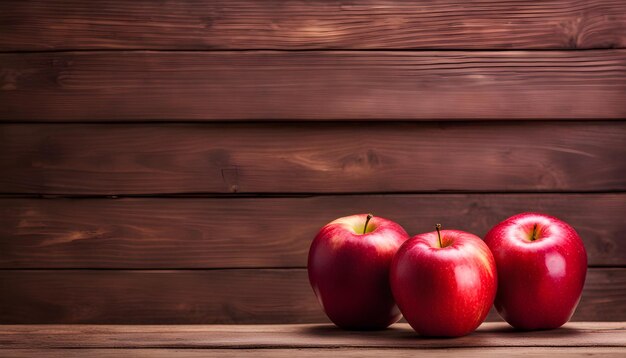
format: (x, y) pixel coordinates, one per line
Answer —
(306, 337)
(267, 232)
(312, 85)
(517, 352)
(286, 24)
(312, 158)
(213, 296)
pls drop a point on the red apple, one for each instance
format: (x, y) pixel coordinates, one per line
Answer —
(542, 265)
(349, 271)
(444, 282)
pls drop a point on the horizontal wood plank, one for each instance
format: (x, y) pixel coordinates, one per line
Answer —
(517, 352)
(312, 85)
(211, 296)
(289, 24)
(489, 335)
(265, 232)
(312, 158)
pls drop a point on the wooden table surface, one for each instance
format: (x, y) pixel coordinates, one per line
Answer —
(310, 340)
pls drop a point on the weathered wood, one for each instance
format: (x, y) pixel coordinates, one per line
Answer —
(265, 232)
(488, 335)
(616, 352)
(286, 24)
(312, 85)
(211, 296)
(312, 157)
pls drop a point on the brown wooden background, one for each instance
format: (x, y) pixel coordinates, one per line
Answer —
(170, 161)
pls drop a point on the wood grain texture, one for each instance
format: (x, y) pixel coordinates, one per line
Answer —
(289, 24)
(517, 352)
(488, 335)
(265, 232)
(616, 352)
(211, 296)
(312, 157)
(312, 85)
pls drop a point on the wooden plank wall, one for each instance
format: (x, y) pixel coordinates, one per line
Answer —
(170, 161)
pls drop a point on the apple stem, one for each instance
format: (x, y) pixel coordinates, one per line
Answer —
(369, 217)
(438, 228)
(534, 235)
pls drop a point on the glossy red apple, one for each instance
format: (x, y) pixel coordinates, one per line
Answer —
(349, 271)
(444, 282)
(542, 265)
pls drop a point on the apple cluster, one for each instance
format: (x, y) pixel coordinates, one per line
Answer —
(366, 273)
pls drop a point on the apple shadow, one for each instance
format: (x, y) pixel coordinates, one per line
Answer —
(395, 336)
(403, 334)
(505, 329)
(330, 330)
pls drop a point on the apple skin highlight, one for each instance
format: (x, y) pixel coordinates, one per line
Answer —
(444, 285)
(542, 265)
(349, 271)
